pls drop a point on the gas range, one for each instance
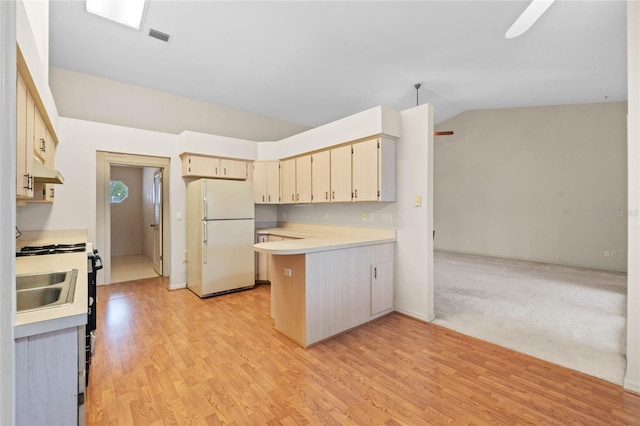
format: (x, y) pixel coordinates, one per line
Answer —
(41, 250)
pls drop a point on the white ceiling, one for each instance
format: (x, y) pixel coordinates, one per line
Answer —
(314, 62)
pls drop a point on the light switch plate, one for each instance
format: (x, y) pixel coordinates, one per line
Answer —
(417, 201)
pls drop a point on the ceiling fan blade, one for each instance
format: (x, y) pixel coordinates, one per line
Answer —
(530, 15)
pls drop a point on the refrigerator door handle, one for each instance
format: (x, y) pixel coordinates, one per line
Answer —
(205, 208)
(204, 241)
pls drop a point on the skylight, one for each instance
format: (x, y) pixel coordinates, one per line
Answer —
(127, 12)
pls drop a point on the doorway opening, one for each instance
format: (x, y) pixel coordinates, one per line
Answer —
(136, 200)
(132, 216)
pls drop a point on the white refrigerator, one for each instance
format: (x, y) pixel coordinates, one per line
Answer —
(220, 236)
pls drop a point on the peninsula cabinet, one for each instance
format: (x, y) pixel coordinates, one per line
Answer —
(341, 174)
(321, 177)
(373, 170)
(266, 180)
(318, 295)
(194, 165)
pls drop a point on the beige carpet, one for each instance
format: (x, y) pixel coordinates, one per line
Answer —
(131, 268)
(574, 317)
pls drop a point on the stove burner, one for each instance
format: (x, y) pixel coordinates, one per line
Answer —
(51, 249)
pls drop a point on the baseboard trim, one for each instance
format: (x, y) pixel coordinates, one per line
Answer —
(416, 315)
(177, 286)
(632, 387)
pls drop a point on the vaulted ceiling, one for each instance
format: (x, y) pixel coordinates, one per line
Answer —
(314, 62)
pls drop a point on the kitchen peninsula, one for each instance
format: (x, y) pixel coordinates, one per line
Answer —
(326, 280)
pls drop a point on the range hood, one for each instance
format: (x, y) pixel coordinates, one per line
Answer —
(44, 174)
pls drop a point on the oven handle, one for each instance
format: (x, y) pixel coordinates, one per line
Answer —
(97, 261)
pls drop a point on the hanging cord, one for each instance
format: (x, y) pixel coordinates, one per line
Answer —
(18, 233)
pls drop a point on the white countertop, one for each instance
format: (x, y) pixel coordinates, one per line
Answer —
(310, 238)
(59, 317)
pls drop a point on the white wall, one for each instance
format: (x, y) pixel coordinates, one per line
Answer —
(126, 216)
(38, 14)
(632, 377)
(541, 183)
(133, 106)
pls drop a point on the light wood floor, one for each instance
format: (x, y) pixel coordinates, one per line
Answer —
(131, 267)
(171, 358)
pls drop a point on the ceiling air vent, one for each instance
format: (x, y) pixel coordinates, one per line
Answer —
(157, 34)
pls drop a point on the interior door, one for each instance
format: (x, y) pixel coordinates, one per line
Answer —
(157, 221)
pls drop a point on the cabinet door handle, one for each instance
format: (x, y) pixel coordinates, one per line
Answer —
(269, 198)
(375, 273)
(216, 170)
(297, 197)
(43, 145)
(27, 180)
(293, 197)
(225, 171)
(53, 193)
(333, 195)
(356, 193)
(263, 198)
(326, 195)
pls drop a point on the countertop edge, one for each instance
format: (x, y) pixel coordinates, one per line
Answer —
(313, 245)
(40, 327)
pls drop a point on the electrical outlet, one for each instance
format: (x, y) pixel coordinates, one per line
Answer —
(364, 217)
(417, 201)
(607, 253)
(614, 254)
(370, 217)
(287, 272)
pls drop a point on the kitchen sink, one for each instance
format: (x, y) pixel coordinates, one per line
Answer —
(24, 282)
(47, 290)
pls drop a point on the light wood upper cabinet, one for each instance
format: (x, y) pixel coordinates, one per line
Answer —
(232, 169)
(373, 170)
(45, 192)
(273, 182)
(364, 177)
(266, 180)
(213, 167)
(288, 181)
(41, 142)
(321, 177)
(303, 179)
(341, 174)
(25, 108)
(198, 165)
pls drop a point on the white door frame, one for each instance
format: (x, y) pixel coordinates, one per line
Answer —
(158, 181)
(104, 161)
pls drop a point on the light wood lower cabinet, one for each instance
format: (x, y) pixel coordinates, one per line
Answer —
(262, 261)
(318, 295)
(50, 377)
